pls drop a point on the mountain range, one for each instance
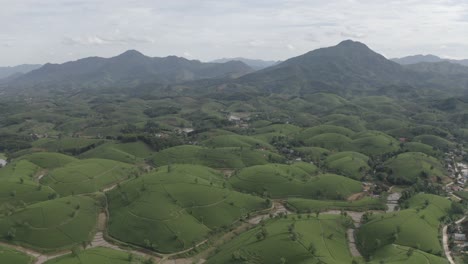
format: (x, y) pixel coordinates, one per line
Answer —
(348, 68)
(130, 68)
(6, 72)
(427, 58)
(255, 64)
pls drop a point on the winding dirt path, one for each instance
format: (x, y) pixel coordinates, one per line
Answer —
(445, 243)
(350, 233)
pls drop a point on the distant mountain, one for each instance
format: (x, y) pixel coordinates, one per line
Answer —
(426, 58)
(128, 69)
(344, 67)
(442, 67)
(255, 64)
(417, 59)
(20, 69)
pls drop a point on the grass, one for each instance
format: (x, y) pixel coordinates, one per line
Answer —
(323, 129)
(396, 254)
(87, 176)
(11, 256)
(66, 144)
(420, 147)
(416, 227)
(326, 234)
(307, 205)
(126, 152)
(49, 160)
(313, 153)
(351, 164)
(19, 169)
(348, 121)
(214, 157)
(236, 141)
(373, 143)
(17, 187)
(97, 255)
(175, 207)
(407, 167)
(282, 181)
(434, 141)
(330, 141)
(51, 225)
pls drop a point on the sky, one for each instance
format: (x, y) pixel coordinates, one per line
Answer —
(40, 31)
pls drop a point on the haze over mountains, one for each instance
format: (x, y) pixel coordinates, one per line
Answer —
(255, 64)
(17, 70)
(427, 58)
(346, 68)
(128, 69)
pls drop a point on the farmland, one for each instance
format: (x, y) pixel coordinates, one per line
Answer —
(65, 222)
(309, 161)
(173, 208)
(294, 240)
(87, 176)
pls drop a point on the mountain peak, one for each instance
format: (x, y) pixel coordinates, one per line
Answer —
(350, 43)
(131, 53)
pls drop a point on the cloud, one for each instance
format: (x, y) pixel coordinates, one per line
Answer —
(99, 41)
(352, 35)
(210, 29)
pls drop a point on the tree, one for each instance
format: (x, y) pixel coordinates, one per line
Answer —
(312, 248)
(409, 252)
(76, 251)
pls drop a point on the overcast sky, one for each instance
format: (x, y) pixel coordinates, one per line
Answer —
(39, 31)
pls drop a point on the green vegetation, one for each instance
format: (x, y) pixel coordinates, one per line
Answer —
(297, 180)
(87, 176)
(8, 255)
(397, 254)
(49, 160)
(98, 255)
(177, 159)
(306, 240)
(175, 207)
(416, 227)
(215, 157)
(410, 166)
(133, 152)
(352, 164)
(307, 205)
(67, 145)
(65, 222)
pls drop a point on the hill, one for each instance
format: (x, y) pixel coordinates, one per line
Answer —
(313, 240)
(348, 64)
(130, 68)
(442, 67)
(6, 72)
(417, 59)
(254, 64)
(426, 58)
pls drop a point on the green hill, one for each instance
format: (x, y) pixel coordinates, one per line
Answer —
(64, 222)
(171, 209)
(310, 240)
(87, 176)
(281, 181)
(348, 163)
(407, 167)
(417, 227)
(215, 157)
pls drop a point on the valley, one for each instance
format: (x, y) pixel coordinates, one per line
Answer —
(335, 156)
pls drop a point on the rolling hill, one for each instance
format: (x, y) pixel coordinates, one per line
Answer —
(130, 68)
